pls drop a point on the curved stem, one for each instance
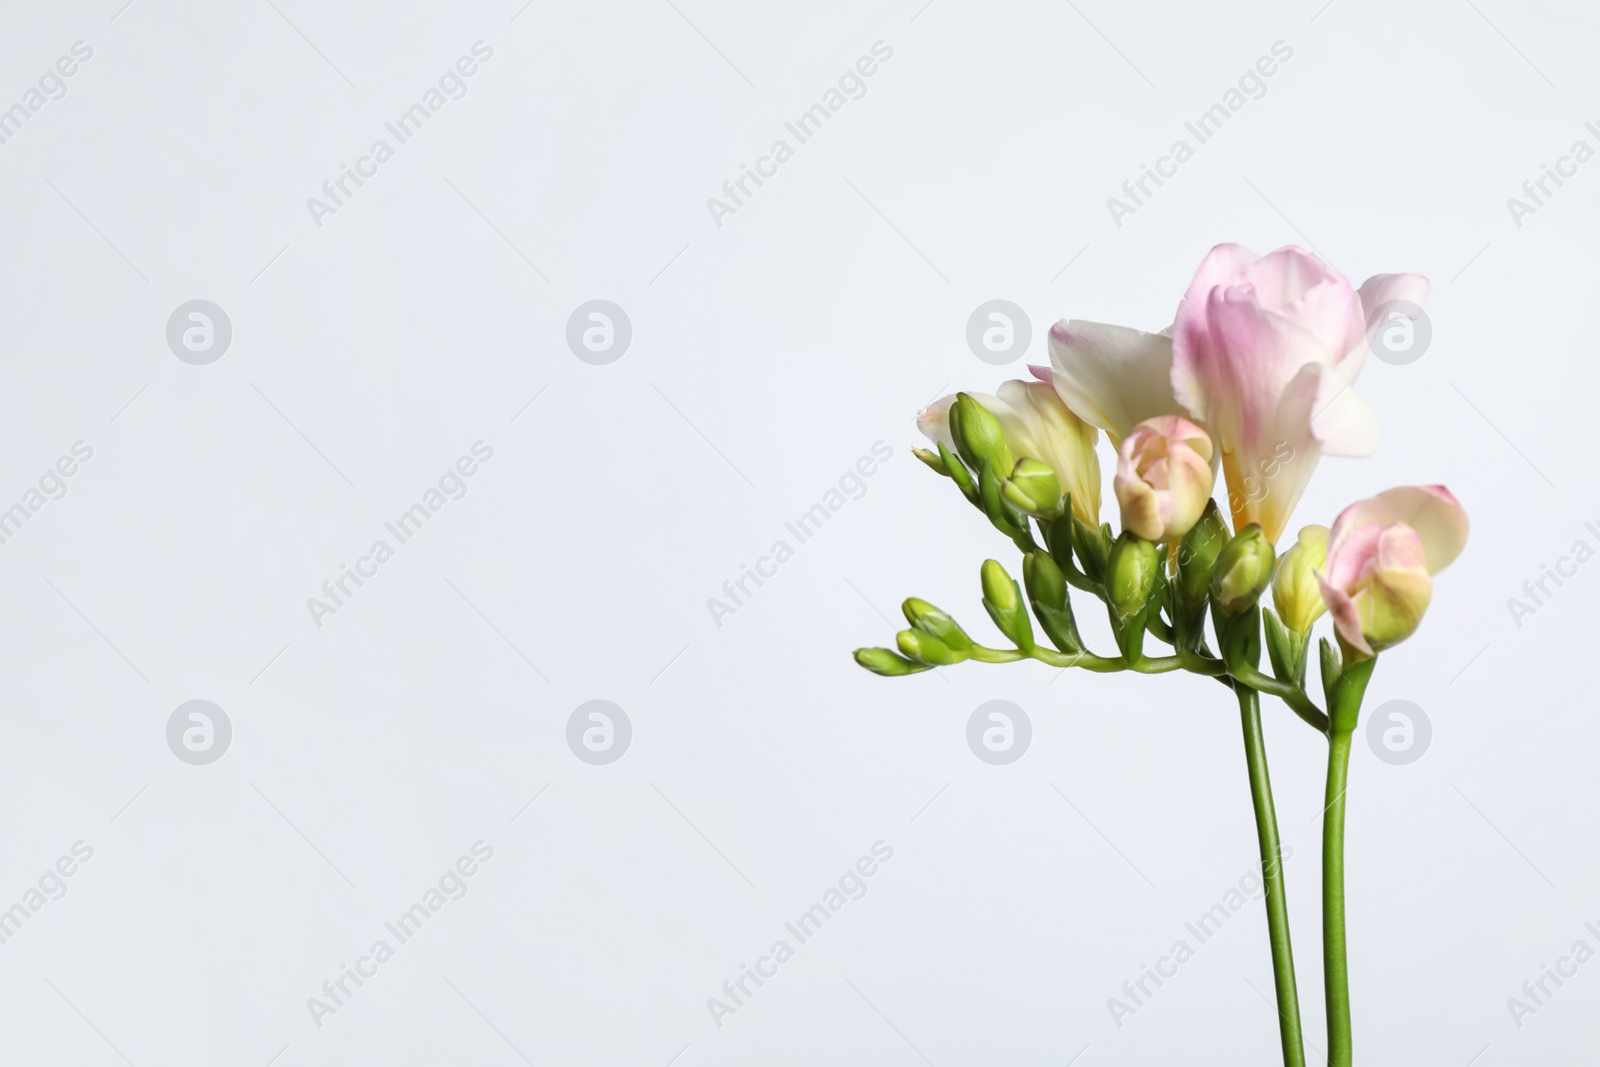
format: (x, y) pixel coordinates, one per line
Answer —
(1087, 660)
(1336, 974)
(1287, 692)
(1255, 748)
(1158, 665)
(980, 654)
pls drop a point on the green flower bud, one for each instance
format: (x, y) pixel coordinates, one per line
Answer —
(1003, 601)
(1045, 583)
(1197, 554)
(998, 588)
(932, 459)
(1243, 571)
(885, 662)
(926, 648)
(935, 623)
(1093, 546)
(1131, 574)
(979, 436)
(1294, 588)
(1047, 591)
(1034, 488)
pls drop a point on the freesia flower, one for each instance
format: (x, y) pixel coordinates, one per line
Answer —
(1382, 556)
(1164, 477)
(1112, 377)
(1037, 425)
(1265, 350)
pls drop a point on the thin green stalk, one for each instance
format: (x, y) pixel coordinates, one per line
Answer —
(1344, 708)
(1336, 972)
(1255, 748)
(1290, 693)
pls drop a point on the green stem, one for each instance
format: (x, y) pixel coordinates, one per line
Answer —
(1335, 965)
(1288, 692)
(1255, 748)
(1344, 709)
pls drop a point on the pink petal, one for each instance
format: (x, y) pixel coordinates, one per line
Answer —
(1223, 264)
(1346, 619)
(1299, 286)
(1352, 554)
(1381, 289)
(1437, 517)
(1399, 547)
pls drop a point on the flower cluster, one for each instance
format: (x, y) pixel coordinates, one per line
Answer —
(1254, 377)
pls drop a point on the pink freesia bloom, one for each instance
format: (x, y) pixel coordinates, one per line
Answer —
(1265, 350)
(1382, 556)
(1164, 477)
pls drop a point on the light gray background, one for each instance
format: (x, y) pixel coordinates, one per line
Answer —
(767, 356)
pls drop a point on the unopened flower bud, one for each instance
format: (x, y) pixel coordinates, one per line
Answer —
(979, 436)
(1034, 488)
(931, 458)
(883, 661)
(1243, 571)
(1131, 574)
(1382, 555)
(1197, 555)
(1294, 588)
(1044, 581)
(930, 620)
(1164, 477)
(1003, 600)
(926, 648)
(998, 588)
(1047, 591)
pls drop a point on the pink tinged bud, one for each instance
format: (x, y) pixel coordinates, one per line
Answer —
(1164, 477)
(1382, 556)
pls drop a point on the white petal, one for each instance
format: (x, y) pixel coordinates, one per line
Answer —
(1347, 425)
(1112, 377)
